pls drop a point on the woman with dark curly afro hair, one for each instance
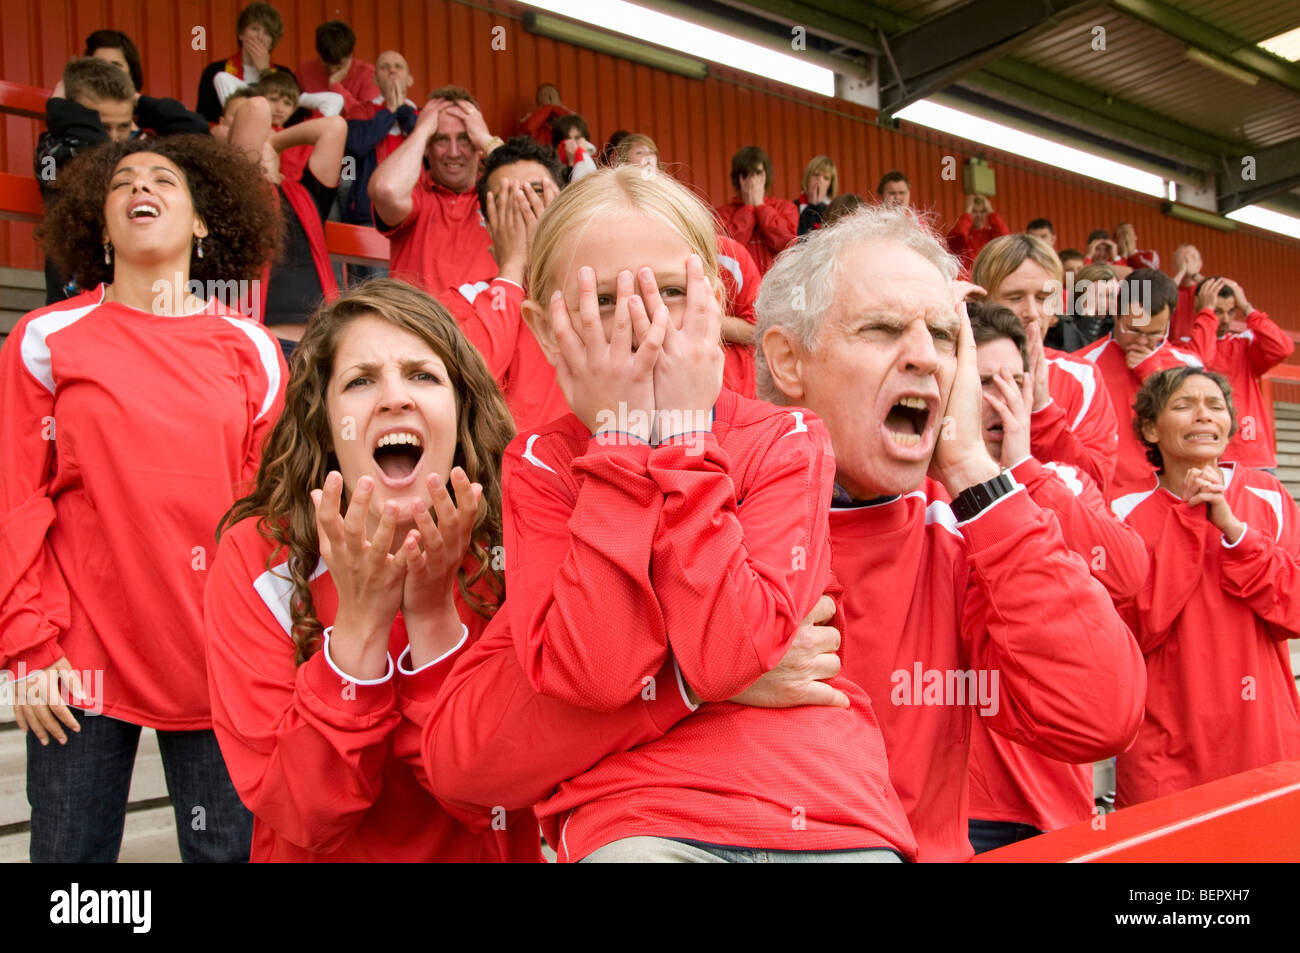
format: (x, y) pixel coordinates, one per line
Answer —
(132, 416)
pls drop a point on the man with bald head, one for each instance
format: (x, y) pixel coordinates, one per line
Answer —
(424, 199)
(377, 131)
(961, 596)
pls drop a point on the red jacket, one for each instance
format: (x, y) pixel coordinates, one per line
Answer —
(1132, 469)
(1213, 622)
(1008, 781)
(766, 230)
(107, 522)
(965, 240)
(1244, 358)
(330, 767)
(357, 88)
(1078, 426)
(741, 278)
(443, 243)
(928, 601)
(491, 315)
(718, 547)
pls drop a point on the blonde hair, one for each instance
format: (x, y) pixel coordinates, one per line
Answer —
(611, 192)
(824, 165)
(1003, 255)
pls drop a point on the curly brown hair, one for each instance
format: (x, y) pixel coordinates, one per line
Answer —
(295, 459)
(228, 191)
(1158, 390)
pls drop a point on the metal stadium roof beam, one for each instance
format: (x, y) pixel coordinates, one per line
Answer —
(1211, 39)
(1260, 175)
(940, 51)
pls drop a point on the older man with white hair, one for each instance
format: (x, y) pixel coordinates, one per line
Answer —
(960, 591)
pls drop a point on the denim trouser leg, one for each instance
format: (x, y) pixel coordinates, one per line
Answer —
(212, 824)
(990, 835)
(78, 791)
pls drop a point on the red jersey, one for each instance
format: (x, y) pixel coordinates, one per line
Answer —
(741, 279)
(1077, 427)
(1213, 622)
(330, 766)
(1183, 320)
(1243, 358)
(965, 240)
(357, 88)
(719, 547)
(491, 315)
(444, 242)
(1132, 468)
(935, 611)
(766, 230)
(1008, 781)
(107, 524)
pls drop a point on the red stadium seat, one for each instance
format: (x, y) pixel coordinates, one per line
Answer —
(1247, 817)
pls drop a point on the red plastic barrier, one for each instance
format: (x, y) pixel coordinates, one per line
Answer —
(1252, 817)
(19, 100)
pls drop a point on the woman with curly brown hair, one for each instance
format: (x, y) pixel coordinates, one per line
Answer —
(338, 603)
(130, 416)
(1220, 603)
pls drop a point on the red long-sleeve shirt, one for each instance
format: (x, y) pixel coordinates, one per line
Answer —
(330, 766)
(127, 435)
(1078, 425)
(928, 601)
(965, 240)
(624, 559)
(741, 278)
(1213, 622)
(1244, 358)
(766, 230)
(1008, 781)
(1133, 470)
(443, 243)
(357, 88)
(491, 315)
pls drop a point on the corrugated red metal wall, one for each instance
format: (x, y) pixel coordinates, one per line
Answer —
(697, 123)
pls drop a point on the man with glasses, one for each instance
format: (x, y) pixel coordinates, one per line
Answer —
(1136, 348)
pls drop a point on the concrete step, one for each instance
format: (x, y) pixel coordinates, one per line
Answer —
(148, 781)
(21, 300)
(148, 837)
(22, 278)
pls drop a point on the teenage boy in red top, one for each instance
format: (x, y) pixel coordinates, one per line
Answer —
(424, 199)
(259, 30)
(1242, 357)
(760, 221)
(978, 226)
(1136, 348)
(336, 70)
(975, 604)
(1015, 792)
(520, 178)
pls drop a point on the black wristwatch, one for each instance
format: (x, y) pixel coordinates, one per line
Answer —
(974, 500)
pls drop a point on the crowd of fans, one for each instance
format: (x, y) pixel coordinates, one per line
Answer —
(784, 529)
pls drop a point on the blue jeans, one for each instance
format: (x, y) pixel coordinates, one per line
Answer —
(660, 850)
(78, 794)
(990, 835)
